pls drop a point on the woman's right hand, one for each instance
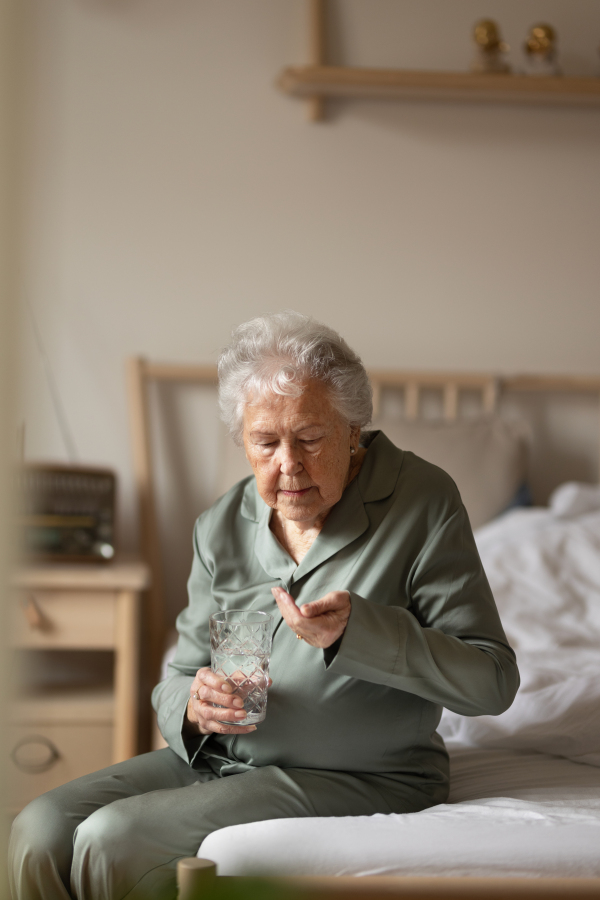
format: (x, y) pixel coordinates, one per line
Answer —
(201, 715)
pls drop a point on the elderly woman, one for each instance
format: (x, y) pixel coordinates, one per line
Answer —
(364, 554)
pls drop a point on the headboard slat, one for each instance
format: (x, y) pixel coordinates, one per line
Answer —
(451, 401)
(411, 399)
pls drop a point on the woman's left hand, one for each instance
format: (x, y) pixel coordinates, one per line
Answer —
(319, 623)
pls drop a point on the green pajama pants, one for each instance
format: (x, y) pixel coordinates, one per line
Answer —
(119, 832)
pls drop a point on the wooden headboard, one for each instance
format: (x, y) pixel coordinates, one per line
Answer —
(562, 447)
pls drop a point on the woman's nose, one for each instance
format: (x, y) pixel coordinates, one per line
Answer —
(289, 460)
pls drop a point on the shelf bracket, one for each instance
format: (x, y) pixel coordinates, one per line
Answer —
(316, 53)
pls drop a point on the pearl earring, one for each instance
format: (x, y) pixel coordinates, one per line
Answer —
(352, 451)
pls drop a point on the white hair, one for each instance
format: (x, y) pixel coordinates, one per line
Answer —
(279, 353)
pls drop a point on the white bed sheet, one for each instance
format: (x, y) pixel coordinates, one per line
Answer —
(541, 817)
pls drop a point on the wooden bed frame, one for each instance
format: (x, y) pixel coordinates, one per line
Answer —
(194, 875)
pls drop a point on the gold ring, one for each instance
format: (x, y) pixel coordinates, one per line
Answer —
(299, 637)
(195, 696)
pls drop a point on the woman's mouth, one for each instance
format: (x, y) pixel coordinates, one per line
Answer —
(293, 494)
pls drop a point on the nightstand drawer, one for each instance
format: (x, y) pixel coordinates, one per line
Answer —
(46, 756)
(64, 619)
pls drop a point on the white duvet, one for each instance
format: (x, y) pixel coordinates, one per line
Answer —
(544, 569)
(525, 796)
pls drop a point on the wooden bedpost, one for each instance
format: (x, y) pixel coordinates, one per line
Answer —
(144, 481)
(194, 876)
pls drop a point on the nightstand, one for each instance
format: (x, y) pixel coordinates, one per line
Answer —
(74, 630)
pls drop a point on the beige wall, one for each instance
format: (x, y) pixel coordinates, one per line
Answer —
(173, 192)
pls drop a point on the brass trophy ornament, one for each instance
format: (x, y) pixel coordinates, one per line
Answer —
(490, 49)
(541, 57)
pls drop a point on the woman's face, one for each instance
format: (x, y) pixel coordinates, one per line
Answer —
(299, 450)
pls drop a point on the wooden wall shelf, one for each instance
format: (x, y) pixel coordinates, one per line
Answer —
(318, 81)
(401, 84)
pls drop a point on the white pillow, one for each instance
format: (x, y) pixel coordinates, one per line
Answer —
(573, 499)
(487, 457)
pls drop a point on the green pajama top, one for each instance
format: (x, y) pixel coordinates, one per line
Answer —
(423, 632)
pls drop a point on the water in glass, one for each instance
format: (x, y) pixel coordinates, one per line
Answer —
(241, 652)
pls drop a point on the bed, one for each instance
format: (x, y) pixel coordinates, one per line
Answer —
(525, 795)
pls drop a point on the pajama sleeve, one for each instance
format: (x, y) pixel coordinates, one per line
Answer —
(443, 641)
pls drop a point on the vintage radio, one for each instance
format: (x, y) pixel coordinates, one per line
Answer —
(67, 513)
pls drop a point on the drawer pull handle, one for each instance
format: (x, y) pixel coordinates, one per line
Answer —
(34, 754)
(34, 615)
